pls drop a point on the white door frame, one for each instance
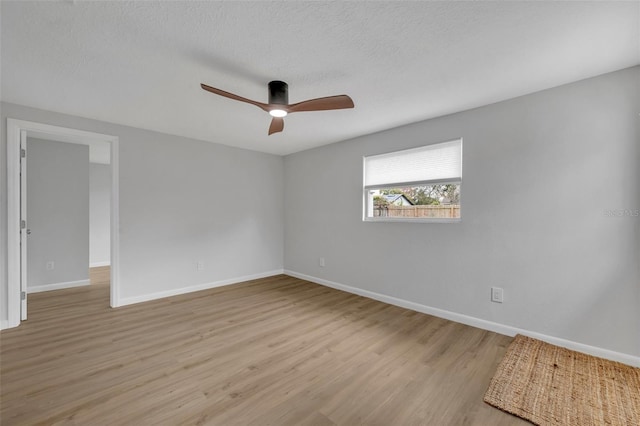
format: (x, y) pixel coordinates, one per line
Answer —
(62, 134)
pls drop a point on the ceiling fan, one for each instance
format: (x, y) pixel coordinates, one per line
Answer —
(278, 106)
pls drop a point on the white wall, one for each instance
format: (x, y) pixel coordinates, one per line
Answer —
(57, 213)
(99, 214)
(539, 173)
(181, 201)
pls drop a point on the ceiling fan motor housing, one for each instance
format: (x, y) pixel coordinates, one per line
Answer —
(278, 92)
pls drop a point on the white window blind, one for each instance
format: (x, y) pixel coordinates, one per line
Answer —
(435, 163)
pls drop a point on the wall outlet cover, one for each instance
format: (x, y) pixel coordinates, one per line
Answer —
(497, 294)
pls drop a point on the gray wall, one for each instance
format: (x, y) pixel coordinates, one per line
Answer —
(181, 201)
(540, 173)
(57, 212)
(99, 214)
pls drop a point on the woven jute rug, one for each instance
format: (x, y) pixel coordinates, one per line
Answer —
(549, 385)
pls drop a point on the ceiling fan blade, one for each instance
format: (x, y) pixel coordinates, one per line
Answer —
(277, 124)
(260, 105)
(322, 104)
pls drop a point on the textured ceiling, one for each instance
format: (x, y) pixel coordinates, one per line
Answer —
(141, 63)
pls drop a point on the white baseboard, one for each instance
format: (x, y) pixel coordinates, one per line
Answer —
(4, 324)
(473, 321)
(98, 264)
(57, 286)
(198, 287)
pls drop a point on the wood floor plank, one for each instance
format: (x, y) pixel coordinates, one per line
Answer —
(100, 275)
(274, 351)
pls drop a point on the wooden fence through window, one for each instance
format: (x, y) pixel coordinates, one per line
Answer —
(438, 211)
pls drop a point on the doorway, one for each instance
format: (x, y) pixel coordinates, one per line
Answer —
(17, 228)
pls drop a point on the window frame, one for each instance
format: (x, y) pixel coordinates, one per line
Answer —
(367, 189)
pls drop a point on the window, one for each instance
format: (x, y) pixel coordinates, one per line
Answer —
(419, 184)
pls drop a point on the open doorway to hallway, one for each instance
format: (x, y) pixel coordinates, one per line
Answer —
(68, 189)
(58, 228)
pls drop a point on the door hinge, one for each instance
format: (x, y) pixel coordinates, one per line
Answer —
(23, 295)
(23, 224)
(23, 153)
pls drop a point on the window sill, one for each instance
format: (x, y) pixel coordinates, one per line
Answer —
(409, 220)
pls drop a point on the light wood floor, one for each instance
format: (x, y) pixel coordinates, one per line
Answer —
(275, 351)
(100, 275)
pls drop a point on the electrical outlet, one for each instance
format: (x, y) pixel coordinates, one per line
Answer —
(321, 262)
(51, 265)
(199, 266)
(497, 294)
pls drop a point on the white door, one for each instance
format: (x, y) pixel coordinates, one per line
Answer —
(24, 231)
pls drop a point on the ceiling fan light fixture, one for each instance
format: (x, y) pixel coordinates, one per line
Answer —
(279, 106)
(278, 112)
